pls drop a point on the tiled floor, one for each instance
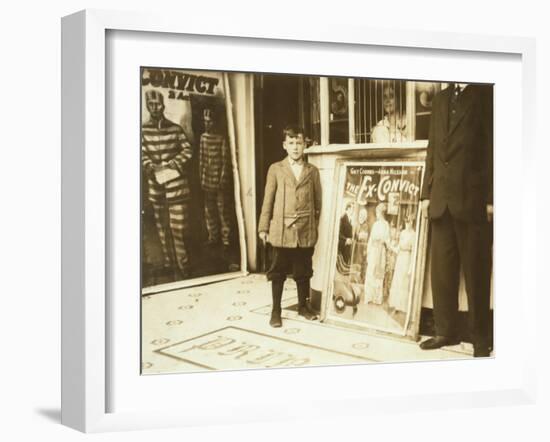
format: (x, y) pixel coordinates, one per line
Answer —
(224, 326)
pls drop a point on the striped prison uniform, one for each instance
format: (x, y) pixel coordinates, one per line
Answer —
(215, 176)
(164, 143)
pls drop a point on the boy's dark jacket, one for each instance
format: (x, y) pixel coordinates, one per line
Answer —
(291, 208)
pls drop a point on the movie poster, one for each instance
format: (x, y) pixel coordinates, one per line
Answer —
(375, 244)
(189, 204)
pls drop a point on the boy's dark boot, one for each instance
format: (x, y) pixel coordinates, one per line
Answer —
(277, 294)
(304, 308)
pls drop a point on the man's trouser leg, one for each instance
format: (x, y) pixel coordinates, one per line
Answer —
(179, 226)
(161, 220)
(225, 216)
(445, 272)
(474, 243)
(211, 215)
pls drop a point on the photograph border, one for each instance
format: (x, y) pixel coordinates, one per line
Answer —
(85, 205)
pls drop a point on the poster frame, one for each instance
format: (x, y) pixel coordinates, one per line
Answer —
(412, 321)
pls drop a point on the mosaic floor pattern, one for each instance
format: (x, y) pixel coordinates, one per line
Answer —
(225, 326)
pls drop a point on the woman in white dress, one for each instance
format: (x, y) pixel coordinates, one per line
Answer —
(379, 240)
(399, 292)
(393, 127)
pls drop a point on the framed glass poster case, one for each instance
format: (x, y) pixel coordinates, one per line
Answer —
(377, 246)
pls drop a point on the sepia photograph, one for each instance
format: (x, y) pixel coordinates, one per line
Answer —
(302, 220)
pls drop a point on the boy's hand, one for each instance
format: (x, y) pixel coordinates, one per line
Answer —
(264, 237)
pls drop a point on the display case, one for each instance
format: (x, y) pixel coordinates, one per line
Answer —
(366, 111)
(376, 248)
(374, 120)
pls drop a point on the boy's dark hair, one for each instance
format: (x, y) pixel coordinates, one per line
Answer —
(292, 131)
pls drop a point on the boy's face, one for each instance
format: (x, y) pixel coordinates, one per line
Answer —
(295, 146)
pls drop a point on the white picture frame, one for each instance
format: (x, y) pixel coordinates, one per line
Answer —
(86, 204)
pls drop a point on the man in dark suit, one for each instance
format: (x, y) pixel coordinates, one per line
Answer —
(345, 235)
(457, 195)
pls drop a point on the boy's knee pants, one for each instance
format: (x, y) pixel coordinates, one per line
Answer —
(297, 261)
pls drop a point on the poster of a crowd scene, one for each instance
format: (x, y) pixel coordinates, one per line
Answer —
(189, 223)
(375, 244)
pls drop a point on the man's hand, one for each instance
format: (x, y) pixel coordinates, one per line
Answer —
(172, 165)
(264, 237)
(150, 171)
(425, 204)
(348, 241)
(489, 212)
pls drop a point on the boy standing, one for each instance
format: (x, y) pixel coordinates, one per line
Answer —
(289, 222)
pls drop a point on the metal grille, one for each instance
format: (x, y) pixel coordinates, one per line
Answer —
(380, 111)
(309, 104)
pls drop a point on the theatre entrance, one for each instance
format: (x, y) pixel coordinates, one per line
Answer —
(276, 105)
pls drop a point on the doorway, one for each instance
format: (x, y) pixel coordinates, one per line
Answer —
(276, 101)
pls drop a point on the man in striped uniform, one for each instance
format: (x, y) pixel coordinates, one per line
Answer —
(215, 176)
(165, 152)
